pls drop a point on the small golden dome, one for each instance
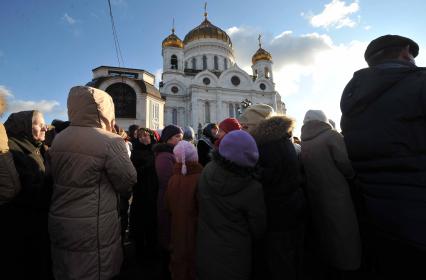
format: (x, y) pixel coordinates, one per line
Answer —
(207, 30)
(261, 54)
(172, 41)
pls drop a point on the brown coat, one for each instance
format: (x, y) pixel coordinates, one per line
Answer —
(90, 166)
(181, 202)
(327, 169)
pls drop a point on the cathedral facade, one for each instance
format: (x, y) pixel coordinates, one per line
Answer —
(202, 82)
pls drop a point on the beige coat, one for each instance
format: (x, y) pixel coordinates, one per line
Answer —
(327, 169)
(9, 178)
(90, 166)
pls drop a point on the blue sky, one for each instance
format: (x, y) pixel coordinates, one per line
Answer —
(46, 47)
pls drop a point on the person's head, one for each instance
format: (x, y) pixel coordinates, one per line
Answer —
(185, 152)
(171, 135)
(210, 130)
(254, 114)
(123, 134)
(91, 107)
(26, 124)
(39, 127)
(315, 115)
(228, 125)
(188, 134)
(146, 136)
(133, 131)
(296, 140)
(274, 129)
(240, 148)
(59, 125)
(391, 47)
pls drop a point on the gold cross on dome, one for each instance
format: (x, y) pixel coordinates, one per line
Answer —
(260, 43)
(173, 27)
(205, 10)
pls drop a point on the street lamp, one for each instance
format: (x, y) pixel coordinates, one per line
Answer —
(244, 104)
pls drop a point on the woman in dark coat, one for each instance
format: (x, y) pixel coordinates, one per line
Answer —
(143, 210)
(206, 143)
(280, 251)
(164, 163)
(231, 210)
(27, 243)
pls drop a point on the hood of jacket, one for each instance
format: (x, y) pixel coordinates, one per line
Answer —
(222, 181)
(273, 129)
(312, 129)
(90, 107)
(19, 126)
(163, 148)
(369, 84)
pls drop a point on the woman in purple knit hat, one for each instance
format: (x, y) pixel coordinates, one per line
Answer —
(231, 210)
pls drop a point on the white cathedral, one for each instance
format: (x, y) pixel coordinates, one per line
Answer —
(202, 82)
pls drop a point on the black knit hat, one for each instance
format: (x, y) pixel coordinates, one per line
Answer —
(388, 41)
(169, 131)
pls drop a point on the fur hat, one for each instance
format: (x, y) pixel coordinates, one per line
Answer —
(254, 114)
(185, 152)
(315, 115)
(3, 103)
(230, 124)
(240, 148)
(388, 41)
(169, 131)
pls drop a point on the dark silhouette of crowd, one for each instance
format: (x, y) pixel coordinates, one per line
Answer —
(243, 199)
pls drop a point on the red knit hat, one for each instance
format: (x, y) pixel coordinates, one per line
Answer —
(230, 124)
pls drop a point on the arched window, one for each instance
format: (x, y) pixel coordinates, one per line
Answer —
(267, 74)
(194, 63)
(207, 112)
(174, 116)
(216, 63)
(255, 73)
(124, 98)
(174, 62)
(186, 64)
(225, 61)
(231, 110)
(204, 62)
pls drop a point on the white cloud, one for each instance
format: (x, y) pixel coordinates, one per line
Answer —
(158, 76)
(336, 14)
(16, 105)
(5, 91)
(310, 70)
(367, 27)
(68, 19)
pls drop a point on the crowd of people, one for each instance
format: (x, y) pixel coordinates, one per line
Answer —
(244, 200)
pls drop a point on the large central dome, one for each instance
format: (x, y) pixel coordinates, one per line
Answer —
(207, 30)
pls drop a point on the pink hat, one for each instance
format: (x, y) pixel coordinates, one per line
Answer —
(185, 152)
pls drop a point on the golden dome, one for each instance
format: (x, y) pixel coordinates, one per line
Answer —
(207, 30)
(172, 41)
(261, 54)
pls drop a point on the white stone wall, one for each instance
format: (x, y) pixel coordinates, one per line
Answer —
(190, 100)
(260, 67)
(143, 108)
